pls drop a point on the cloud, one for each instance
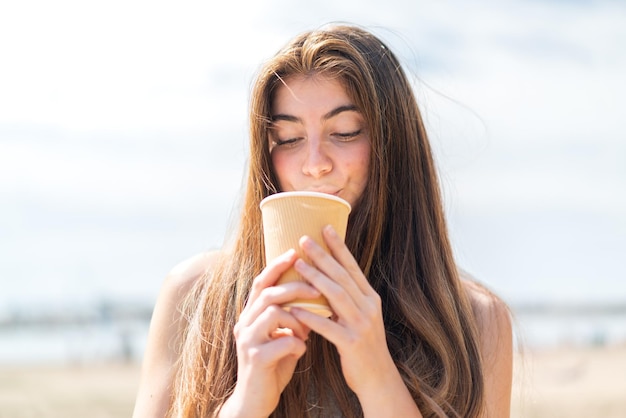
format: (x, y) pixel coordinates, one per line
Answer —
(118, 174)
(129, 117)
(126, 65)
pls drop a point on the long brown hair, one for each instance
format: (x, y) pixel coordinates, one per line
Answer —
(397, 233)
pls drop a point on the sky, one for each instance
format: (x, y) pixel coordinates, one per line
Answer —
(123, 134)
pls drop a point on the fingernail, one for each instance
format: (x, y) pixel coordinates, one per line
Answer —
(330, 230)
(315, 292)
(305, 241)
(299, 265)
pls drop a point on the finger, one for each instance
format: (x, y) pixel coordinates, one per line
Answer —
(262, 329)
(271, 351)
(325, 327)
(277, 295)
(282, 332)
(342, 254)
(342, 303)
(331, 267)
(278, 322)
(277, 349)
(271, 273)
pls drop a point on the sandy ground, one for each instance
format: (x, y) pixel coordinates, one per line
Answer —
(568, 383)
(571, 383)
(94, 391)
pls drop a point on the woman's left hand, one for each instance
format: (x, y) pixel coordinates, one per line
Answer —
(357, 328)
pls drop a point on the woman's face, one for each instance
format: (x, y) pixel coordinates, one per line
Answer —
(319, 139)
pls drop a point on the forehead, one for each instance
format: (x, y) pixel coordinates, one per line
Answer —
(300, 93)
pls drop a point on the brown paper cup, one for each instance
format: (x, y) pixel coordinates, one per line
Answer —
(287, 216)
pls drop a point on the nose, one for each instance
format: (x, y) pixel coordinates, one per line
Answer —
(317, 162)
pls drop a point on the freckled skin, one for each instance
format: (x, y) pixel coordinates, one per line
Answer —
(319, 139)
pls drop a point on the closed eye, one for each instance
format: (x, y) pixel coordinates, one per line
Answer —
(346, 136)
(286, 142)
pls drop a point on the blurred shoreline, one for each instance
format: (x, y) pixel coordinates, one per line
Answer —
(75, 362)
(107, 311)
(117, 331)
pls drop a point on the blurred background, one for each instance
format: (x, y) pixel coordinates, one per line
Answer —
(123, 134)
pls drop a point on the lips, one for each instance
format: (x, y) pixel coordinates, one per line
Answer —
(333, 192)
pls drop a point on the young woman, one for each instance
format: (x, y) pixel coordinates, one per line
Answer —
(333, 112)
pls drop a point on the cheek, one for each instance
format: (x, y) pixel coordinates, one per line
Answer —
(282, 170)
(357, 170)
(361, 165)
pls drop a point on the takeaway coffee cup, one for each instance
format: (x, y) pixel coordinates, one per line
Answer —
(287, 216)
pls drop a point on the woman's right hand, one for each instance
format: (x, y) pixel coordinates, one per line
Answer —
(269, 342)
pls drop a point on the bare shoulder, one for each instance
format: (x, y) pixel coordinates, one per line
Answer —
(166, 330)
(491, 312)
(185, 274)
(167, 318)
(176, 287)
(493, 319)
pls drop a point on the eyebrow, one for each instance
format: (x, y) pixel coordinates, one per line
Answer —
(332, 113)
